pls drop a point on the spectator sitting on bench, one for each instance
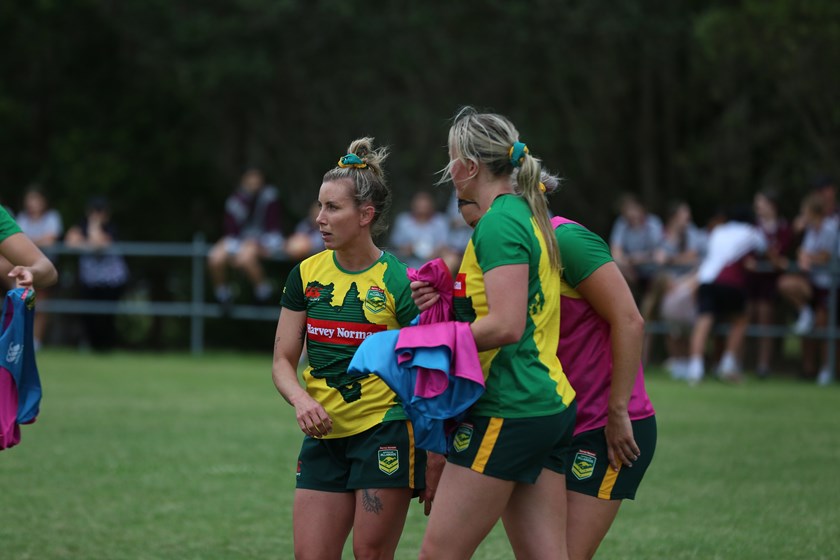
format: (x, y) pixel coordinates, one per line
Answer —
(251, 232)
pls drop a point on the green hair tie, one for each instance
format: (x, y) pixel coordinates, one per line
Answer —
(352, 160)
(517, 153)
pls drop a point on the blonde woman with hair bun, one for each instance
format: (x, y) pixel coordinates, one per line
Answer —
(358, 468)
(507, 458)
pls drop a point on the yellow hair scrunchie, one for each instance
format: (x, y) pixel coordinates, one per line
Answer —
(542, 187)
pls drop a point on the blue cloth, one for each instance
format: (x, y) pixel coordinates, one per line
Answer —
(20, 383)
(378, 355)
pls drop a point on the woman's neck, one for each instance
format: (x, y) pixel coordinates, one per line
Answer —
(491, 188)
(359, 256)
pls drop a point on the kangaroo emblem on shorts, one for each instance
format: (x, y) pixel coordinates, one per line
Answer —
(389, 460)
(583, 465)
(463, 436)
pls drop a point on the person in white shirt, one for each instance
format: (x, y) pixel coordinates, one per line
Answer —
(722, 293)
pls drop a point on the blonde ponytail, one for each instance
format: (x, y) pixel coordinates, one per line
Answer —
(493, 140)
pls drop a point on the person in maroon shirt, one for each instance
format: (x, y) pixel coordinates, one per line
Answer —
(762, 291)
(251, 232)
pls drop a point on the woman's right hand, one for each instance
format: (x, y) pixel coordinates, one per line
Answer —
(423, 294)
(311, 416)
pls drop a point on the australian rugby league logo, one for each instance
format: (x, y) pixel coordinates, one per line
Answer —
(463, 437)
(584, 464)
(375, 299)
(389, 460)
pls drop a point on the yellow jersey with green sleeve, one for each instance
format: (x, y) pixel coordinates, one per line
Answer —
(342, 309)
(8, 225)
(524, 379)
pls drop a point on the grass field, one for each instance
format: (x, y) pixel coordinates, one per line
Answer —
(142, 456)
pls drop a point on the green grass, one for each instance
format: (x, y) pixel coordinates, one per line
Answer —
(143, 456)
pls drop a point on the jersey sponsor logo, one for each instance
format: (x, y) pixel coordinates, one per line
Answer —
(389, 460)
(463, 436)
(340, 332)
(375, 299)
(584, 464)
(14, 353)
(460, 287)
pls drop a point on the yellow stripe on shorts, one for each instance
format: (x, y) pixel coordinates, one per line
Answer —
(410, 454)
(605, 491)
(494, 427)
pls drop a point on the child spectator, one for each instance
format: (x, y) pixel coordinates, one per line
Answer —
(251, 232)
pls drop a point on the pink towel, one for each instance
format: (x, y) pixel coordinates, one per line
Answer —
(458, 339)
(436, 273)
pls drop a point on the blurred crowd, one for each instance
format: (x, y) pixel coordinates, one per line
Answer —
(747, 265)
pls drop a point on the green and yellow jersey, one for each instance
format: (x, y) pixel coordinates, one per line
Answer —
(8, 226)
(524, 379)
(342, 309)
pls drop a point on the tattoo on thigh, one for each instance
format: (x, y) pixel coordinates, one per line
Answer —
(371, 502)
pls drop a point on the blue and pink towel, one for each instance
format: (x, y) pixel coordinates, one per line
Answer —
(433, 367)
(20, 386)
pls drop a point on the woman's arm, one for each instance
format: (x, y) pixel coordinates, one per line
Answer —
(607, 292)
(288, 344)
(30, 266)
(507, 307)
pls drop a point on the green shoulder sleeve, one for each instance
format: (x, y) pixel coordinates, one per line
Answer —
(581, 252)
(293, 297)
(500, 239)
(8, 226)
(397, 283)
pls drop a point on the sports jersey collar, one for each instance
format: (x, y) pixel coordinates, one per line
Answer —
(344, 270)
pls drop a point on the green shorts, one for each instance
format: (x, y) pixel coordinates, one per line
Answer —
(516, 449)
(590, 471)
(382, 457)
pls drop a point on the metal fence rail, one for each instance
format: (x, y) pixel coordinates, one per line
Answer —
(198, 310)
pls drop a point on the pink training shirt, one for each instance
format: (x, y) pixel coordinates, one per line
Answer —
(585, 349)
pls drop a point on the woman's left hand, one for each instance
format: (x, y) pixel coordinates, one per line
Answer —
(23, 276)
(434, 468)
(424, 294)
(621, 446)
